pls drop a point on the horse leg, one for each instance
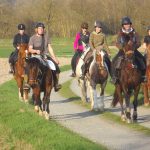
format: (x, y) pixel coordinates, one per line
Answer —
(46, 101)
(93, 97)
(82, 84)
(128, 109)
(20, 87)
(26, 95)
(146, 99)
(101, 99)
(135, 102)
(37, 100)
(118, 96)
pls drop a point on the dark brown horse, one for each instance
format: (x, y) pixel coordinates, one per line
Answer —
(19, 71)
(146, 85)
(41, 80)
(97, 74)
(129, 81)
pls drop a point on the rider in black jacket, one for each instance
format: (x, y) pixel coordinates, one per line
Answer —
(19, 38)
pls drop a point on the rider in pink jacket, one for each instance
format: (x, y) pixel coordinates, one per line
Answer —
(80, 42)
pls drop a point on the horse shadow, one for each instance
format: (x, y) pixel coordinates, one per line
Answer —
(71, 99)
(76, 116)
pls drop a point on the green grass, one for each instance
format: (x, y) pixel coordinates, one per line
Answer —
(21, 126)
(65, 68)
(61, 46)
(68, 93)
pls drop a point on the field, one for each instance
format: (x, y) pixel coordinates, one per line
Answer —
(63, 47)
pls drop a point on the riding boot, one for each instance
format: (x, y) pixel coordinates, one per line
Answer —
(57, 86)
(143, 77)
(11, 71)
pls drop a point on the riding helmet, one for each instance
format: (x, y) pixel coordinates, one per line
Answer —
(39, 24)
(126, 20)
(98, 24)
(21, 27)
(84, 25)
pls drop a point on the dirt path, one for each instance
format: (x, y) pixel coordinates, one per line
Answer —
(93, 126)
(143, 113)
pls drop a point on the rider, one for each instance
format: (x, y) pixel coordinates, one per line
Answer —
(127, 29)
(97, 42)
(19, 38)
(40, 45)
(81, 41)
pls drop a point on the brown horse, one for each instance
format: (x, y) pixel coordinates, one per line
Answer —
(19, 71)
(40, 79)
(97, 74)
(129, 81)
(146, 85)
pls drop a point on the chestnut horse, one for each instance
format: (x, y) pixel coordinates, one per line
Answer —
(129, 81)
(19, 71)
(146, 85)
(97, 74)
(40, 79)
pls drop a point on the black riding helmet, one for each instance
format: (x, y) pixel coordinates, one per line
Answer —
(21, 27)
(84, 25)
(126, 20)
(39, 24)
(98, 24)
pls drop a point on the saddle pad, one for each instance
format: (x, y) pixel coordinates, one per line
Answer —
(51, 65)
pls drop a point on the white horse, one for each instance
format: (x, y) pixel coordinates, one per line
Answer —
(97, 74)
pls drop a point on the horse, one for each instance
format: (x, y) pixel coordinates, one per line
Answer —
(96, 74)
(146, 85)
(19, 71)
(40, 79)
(129, 81)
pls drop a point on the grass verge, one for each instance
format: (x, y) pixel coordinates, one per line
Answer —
(21, 126)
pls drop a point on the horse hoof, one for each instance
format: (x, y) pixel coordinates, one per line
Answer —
(46, 115)
(26, 100)
(101, 107)
(40, 113)
(36, 108)
(123, 118)
(128, 121)
(134, 116)
(146, 104)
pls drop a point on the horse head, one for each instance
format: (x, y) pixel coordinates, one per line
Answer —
(23, 53)
(128, 48)
(99, 58)
(35, 71)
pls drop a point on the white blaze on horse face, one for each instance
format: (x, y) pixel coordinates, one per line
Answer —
(102, 56)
